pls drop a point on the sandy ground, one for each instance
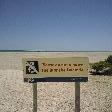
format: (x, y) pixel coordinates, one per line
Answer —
(16, 96)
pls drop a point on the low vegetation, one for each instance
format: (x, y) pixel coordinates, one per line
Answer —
(102, 67)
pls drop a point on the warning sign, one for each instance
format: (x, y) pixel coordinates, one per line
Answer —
(55, 67)
(32, 67)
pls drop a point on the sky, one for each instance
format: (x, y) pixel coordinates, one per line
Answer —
(75, 25)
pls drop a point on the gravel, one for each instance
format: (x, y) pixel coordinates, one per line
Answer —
(17, 96)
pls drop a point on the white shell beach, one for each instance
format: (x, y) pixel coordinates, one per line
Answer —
(17, 96)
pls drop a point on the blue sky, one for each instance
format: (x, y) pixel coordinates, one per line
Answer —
(56, 25)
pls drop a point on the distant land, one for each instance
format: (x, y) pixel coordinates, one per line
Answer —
(47, 51)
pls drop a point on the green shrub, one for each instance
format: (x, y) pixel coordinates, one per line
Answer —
(109, 59)
(98, 66)
(103, 67)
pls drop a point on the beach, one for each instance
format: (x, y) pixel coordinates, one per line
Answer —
(17, 96)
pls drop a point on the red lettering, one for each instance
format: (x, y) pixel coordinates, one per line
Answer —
(55, 70)
(80, 64)
(63, 70)
(44, 64)
(75, 64)
(45, 70)
(51, 70)
(76, 69)
(81, 69)
(50, 64)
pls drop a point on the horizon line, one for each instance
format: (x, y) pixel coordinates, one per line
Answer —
(55, 51)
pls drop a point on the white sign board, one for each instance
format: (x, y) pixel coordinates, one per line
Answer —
(55, 67)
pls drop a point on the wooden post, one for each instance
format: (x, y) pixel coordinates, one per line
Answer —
(34, 97)
(77, 96)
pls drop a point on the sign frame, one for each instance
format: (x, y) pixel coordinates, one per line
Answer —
(72, 78)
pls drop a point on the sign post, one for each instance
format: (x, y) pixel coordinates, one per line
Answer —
(77, 96)
(65, 69)
(34, 97)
